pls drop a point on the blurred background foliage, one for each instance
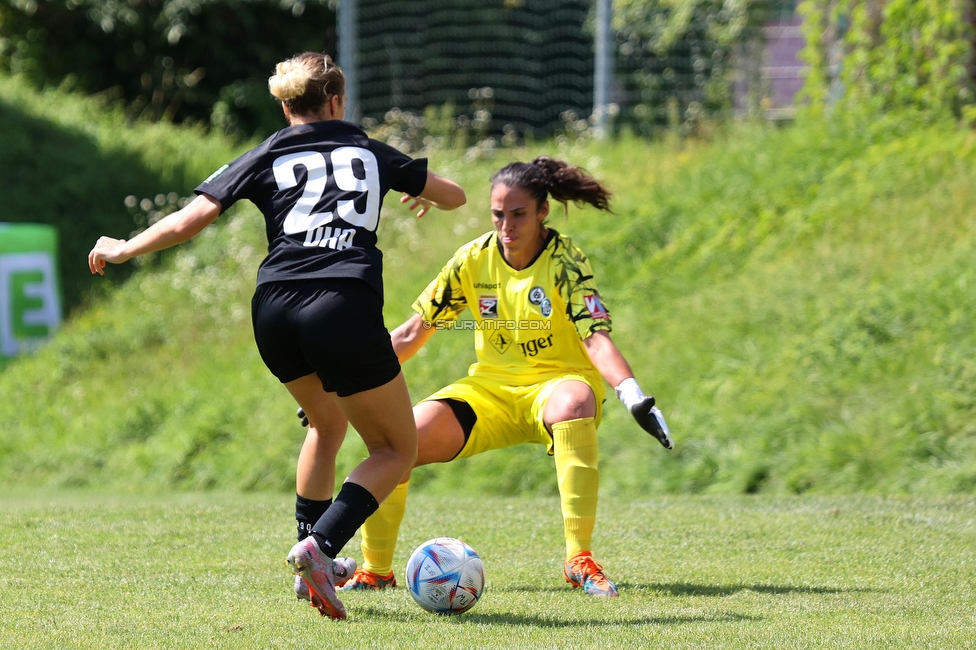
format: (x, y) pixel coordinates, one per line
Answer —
(207, 61)
(507, 68)
(200, 61)
(679, 59)
(872, 57)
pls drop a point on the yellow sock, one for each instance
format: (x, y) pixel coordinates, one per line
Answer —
(577, 456)
(380, 532)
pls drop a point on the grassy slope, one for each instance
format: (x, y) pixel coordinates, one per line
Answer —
(827, 289)
(799, 301)
(70, 161)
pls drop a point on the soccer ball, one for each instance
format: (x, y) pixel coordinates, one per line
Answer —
(445, 576)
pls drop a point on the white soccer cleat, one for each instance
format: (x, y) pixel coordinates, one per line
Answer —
(344, 567)
(317, 571)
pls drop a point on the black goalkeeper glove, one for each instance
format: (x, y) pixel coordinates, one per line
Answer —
(301, 416)
(650, 418)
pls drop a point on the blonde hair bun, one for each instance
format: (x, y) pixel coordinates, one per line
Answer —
(305, 83)
(289, 80)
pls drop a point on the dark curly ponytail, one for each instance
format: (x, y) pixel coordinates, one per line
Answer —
(545, 177)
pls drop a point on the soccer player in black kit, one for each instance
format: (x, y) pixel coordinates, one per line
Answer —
(317, 309)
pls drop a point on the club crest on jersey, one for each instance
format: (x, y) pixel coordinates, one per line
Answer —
(595, 307)
(545, 307)
(488, 306)
(536, 295)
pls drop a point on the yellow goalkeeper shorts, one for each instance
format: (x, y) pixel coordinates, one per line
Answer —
(510, 415)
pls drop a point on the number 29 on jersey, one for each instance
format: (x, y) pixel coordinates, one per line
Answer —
(302, 216)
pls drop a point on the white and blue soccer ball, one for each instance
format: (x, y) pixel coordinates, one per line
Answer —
(445, 576)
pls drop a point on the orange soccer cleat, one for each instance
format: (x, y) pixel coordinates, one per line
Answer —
(582, 570)
(363, 579)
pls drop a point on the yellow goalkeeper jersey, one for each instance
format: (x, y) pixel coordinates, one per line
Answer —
(529, 324)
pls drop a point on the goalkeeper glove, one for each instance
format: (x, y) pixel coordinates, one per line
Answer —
(648, 416)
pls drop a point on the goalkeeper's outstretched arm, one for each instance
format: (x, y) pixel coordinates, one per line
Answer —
(616, 371)
(410, 336)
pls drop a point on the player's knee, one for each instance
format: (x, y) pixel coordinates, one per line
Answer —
(571, 408)
(405, 451)
(410, 458)
(397, 459)
(324, 445)
(570, 405)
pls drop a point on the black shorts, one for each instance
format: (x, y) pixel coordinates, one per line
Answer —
(332, 327)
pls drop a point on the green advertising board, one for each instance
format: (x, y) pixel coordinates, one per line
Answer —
(30, 291)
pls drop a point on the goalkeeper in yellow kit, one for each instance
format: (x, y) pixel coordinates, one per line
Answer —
(543, 350)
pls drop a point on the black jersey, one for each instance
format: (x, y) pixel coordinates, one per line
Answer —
(320, 187)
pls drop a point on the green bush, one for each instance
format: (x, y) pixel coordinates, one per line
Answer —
(678, 59)
(883, 56)
(172, 60)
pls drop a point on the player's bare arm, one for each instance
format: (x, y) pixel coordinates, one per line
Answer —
(410, 336)
(439, 192)
(171, 230)
(606, 357)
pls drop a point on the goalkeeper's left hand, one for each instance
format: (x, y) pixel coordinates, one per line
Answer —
(642, 408)
(650, 418)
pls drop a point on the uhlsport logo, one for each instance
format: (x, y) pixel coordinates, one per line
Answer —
(30, 304)
(488, 306)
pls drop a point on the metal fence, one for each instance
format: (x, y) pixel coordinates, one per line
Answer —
(536, 58)
(530, 64)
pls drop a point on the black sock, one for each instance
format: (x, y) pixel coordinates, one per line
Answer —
(307, 512)
(351, 508)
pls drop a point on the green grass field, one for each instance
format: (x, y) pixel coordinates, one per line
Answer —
(207, 571)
